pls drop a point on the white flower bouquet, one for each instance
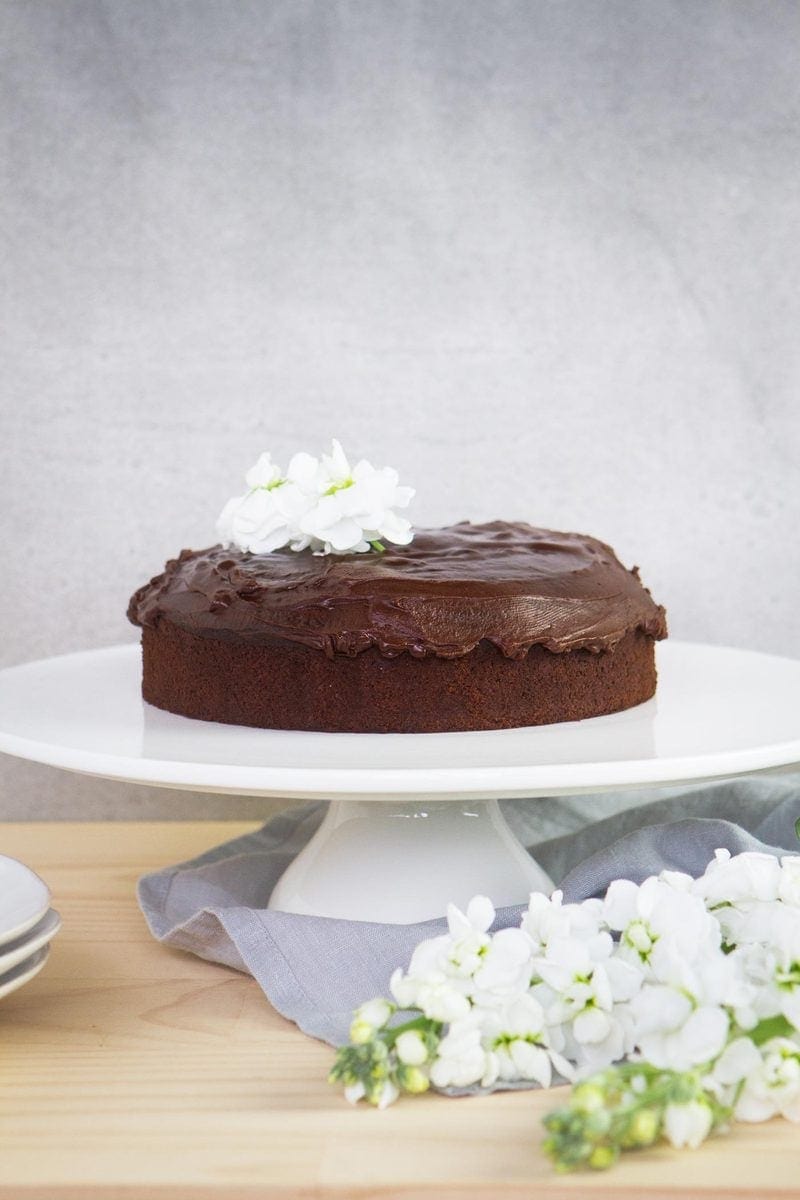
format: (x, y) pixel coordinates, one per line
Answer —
(322, 504)
(673, 1006)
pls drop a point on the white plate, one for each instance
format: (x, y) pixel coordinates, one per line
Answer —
(13, 979)
(718, 712)
(24, 899)
(21, 948)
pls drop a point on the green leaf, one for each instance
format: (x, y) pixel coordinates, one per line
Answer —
(770, 1027)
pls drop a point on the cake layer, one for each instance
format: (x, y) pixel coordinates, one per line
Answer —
(285, 685)
(450, 591)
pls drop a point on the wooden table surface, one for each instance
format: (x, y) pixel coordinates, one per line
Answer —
(130, 1070)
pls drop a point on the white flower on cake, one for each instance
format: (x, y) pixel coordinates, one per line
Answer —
(266, 518)
(322, 504)
(265, 474)
(354, 506)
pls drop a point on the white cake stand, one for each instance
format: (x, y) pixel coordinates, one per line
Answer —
(413, 820)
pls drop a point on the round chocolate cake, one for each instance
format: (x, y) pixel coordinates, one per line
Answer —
(468, 627)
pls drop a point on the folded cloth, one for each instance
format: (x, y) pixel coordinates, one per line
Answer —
(316, 970)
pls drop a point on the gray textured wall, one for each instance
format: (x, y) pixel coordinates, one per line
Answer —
(541, 256)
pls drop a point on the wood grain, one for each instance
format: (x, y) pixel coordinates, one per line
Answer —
(133, 1071)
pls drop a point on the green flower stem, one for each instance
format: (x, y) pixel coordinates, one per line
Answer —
(608, 1113)
(423, 1024)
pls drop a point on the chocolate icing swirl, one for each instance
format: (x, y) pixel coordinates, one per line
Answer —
(503, 582)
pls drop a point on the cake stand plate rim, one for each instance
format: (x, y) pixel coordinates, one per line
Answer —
(150, 735)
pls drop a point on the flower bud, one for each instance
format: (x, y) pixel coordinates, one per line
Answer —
(404, 989)
(638, 935)
(597, 1122)
(643, 1128)
(411, 1049)
(361, 1032)
(415, 1081)
(587, 1097)
(375, 1012)
(603, 1157)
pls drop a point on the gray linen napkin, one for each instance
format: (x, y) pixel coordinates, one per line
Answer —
(316, 970)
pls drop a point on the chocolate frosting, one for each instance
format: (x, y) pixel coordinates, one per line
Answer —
(503, 582)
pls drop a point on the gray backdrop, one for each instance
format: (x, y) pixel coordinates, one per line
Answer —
(541, 256)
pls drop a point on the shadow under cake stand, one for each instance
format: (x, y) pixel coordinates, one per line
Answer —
(413, 820)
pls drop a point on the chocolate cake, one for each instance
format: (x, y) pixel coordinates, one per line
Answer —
(468, 627)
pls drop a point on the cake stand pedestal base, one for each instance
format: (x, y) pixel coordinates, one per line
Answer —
(404, 862)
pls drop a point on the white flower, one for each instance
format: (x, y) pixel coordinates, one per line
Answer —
(686, 956)
(404, 988)
(773, 971)
(658, 922)
(449, 961)
(789, 885)
(773, 1086)
(411, 1049)
(549, 917)
(687, 1124)
(517, 1035)
(354, 506)
(584, 976)
(261, 521)
(504, 967)
(584, 989)
(672, 1033)
(321, 504)
(469, 936)
(461, 1059)
(678, 880)
(523, 1059)
(435, 994)
(266, 518)
(559, 992)
(682, 1014)
(374, 1013)
(303, 471)
(738, 1060)
(264, 474)
(739, 880)
(478, 918)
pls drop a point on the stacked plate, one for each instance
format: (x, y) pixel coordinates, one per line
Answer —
(27, 924)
